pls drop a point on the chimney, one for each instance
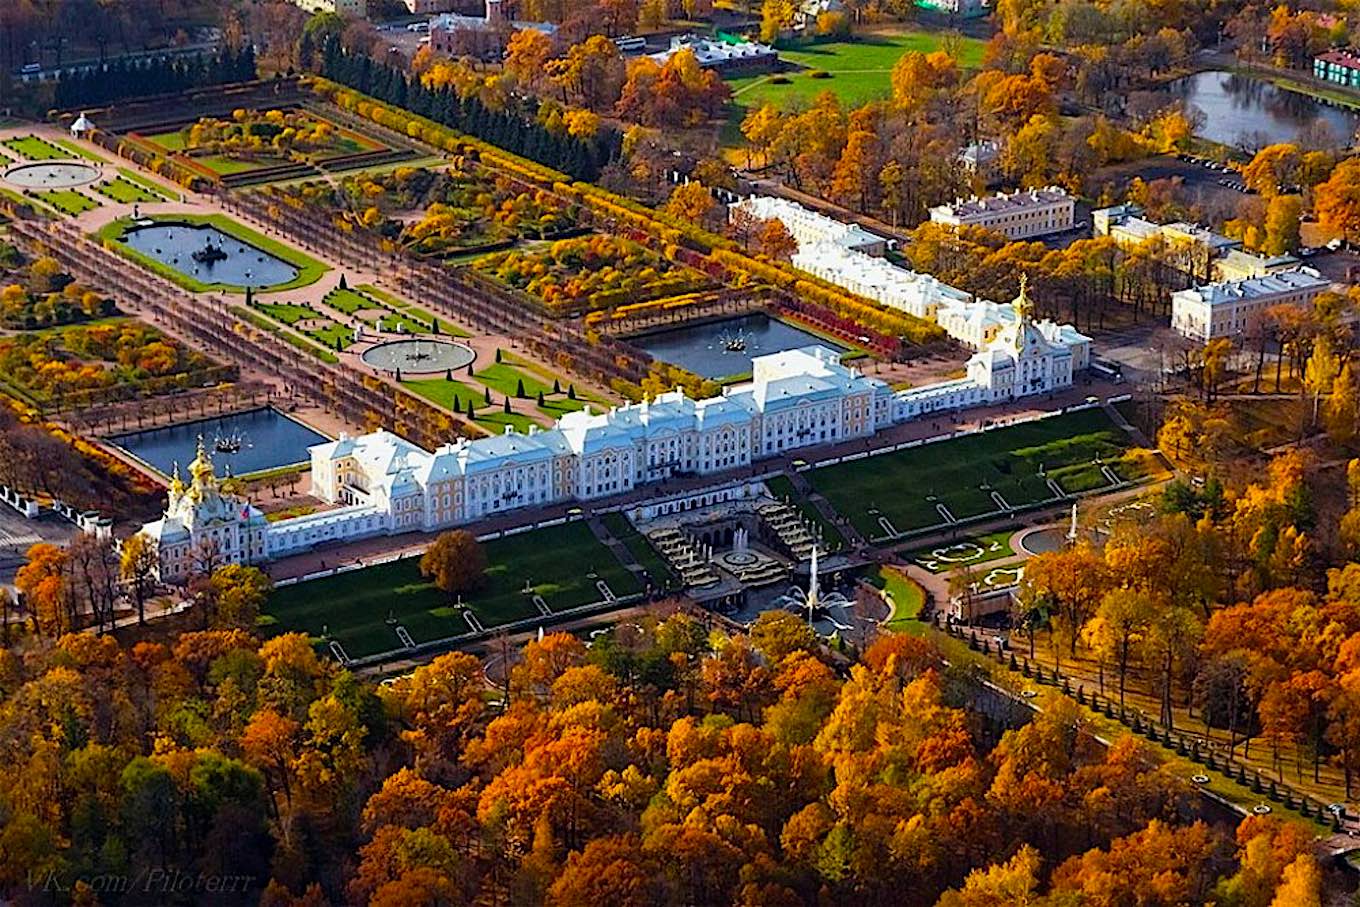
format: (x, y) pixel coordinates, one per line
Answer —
(494, 14)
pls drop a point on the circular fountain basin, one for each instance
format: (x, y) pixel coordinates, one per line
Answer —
(52, 175)
(416, 357)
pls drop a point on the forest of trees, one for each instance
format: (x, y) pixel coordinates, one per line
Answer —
(516, 130)
(124, 79)
(664, 764)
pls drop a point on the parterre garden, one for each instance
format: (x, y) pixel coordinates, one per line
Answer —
(562, 564)
(435, 212)
(589, 272)
(1077, 452)
(36, 293)
(112, 359)
(34, 148)
(252, 139)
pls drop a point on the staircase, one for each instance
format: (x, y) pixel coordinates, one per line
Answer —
(790, 528)
(685, 558)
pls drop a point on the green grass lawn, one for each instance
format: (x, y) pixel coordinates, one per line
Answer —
(505, 376)
(398, 321)
(36, 149)
(69, 201)
(133, 176)
(395, 302)
(859, 70)
(170, 141)
(354, 607)
(309, 269)
(905, 486)
(333, 336)
(78, 151)
(287, 312)
(967, 552)
(348, 301)
(127, 192)
(638, 546)
(443, 392)
(226, 166)
(905, 596)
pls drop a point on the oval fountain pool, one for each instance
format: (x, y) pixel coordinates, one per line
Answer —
(52, 175)
(417, 357)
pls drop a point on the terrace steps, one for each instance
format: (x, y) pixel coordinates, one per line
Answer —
(789, 526)
(685, 557)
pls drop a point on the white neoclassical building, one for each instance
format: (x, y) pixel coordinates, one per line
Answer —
(381, 484)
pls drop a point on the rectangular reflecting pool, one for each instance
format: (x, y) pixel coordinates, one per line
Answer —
(725, 348)
(208, 255)
(242, 443)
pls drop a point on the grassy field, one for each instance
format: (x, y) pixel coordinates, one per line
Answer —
(77, 151)
(858, 71)
(354, 607)
(170, 141)
(127, 192)
(443, 392)
(638, 546)
(395, 302)
(68, 201)
(947, 556)
(36, 149)
(309, 269)
(905, 596)
(906, 486)
(133, 176)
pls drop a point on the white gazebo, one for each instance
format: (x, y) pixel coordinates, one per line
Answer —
(82, 127)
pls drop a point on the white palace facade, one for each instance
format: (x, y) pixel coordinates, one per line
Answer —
(380, 484)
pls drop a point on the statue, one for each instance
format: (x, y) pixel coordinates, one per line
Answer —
(1072, 530)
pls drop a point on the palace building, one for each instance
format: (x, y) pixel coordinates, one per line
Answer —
(381, 484)
(203, 526)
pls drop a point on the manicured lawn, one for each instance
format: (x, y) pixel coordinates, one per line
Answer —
(333, 336)
(36, 149)
(859, 70)
(127, 192)
(397, 321)
(947, 556)
(226, 166)
(78, 151)
(133, 177)
(395, 302)
(348, 301)
(505, 376)
(170, 141)
(905, 596)
(309, 269)
(906, 486)
(442, 392)
(69, 201)
(354, 607)
(287, 312)
(638, 546)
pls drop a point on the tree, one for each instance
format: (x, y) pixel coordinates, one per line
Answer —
(690, 202)
(775, 241)
(778, 634)
(1075, 581)
(1301, 885)
(239, 592)
(455, 562)
(1337, 201)
(1014, 883)
(1282, 224)
(526, 56)
(1321, 372)
(1118, 628)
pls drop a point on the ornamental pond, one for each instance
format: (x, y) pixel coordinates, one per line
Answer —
(1248, 112)
(253, 441)
(725, 348)
(206, 254)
